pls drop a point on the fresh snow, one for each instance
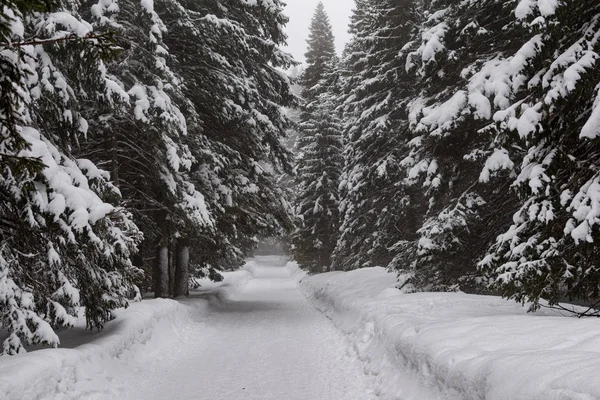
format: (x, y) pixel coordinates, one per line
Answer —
(258, 335)
(545, 7)
(254, 336)
(425, 346)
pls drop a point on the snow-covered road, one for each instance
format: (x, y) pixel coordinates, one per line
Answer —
(256, 337)
(263, 342)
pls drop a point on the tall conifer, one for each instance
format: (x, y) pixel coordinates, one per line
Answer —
(380, 214)
(320, 147)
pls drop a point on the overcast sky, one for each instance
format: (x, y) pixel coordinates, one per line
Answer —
(301, 12)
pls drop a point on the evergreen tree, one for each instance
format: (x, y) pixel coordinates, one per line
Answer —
(140, 132)
(319, 167)
(451, 118)
(380, 214)
(501, 84)
(320, 53)
(227, 55)
(64, 242)
(550, 128)
(191, 136)
(320, 147)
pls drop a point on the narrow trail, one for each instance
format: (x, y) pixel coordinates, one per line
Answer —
(265, 342)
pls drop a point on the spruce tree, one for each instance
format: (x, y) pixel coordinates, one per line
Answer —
(140, 133)
(380, 214)
(496, 165)
(320, 146)
(550, 129)
(498, 93)
(190, 132)
(319, 55)
(227, 55)
(319, 167)
(65, 243)
(451, 119)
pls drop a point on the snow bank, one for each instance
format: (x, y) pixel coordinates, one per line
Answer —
(456, 346)
(72, 373)
(296, 273)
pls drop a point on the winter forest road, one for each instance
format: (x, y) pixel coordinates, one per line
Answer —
(263, 343)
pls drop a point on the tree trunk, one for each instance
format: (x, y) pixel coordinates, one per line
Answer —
(163, 257)
(161, 285)
(182, 271)
(172, 261)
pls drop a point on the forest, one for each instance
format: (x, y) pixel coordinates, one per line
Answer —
(146, 145)
(456, 143)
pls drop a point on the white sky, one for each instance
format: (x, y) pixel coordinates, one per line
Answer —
(301, 12)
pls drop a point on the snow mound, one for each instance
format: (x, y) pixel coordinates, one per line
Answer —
(296, 273)
(457, 346)
(72, 373)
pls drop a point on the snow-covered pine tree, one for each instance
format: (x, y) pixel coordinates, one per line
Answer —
(62, 245)
(551, 123)
(287, 180)
(460, 64)
(140, 135)
(227, 54)
(380, 213)
(318, 172)
(319, 147)
(319, 55)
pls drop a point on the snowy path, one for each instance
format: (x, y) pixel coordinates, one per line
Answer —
(255, 337)
(266, 342)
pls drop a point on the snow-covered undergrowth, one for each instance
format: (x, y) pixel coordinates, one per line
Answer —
(87, 363)
(456, 346)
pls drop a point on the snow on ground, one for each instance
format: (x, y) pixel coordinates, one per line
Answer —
(253, 336)
(87, 363)
(455, 346)
(261, 343)
(78, 370)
